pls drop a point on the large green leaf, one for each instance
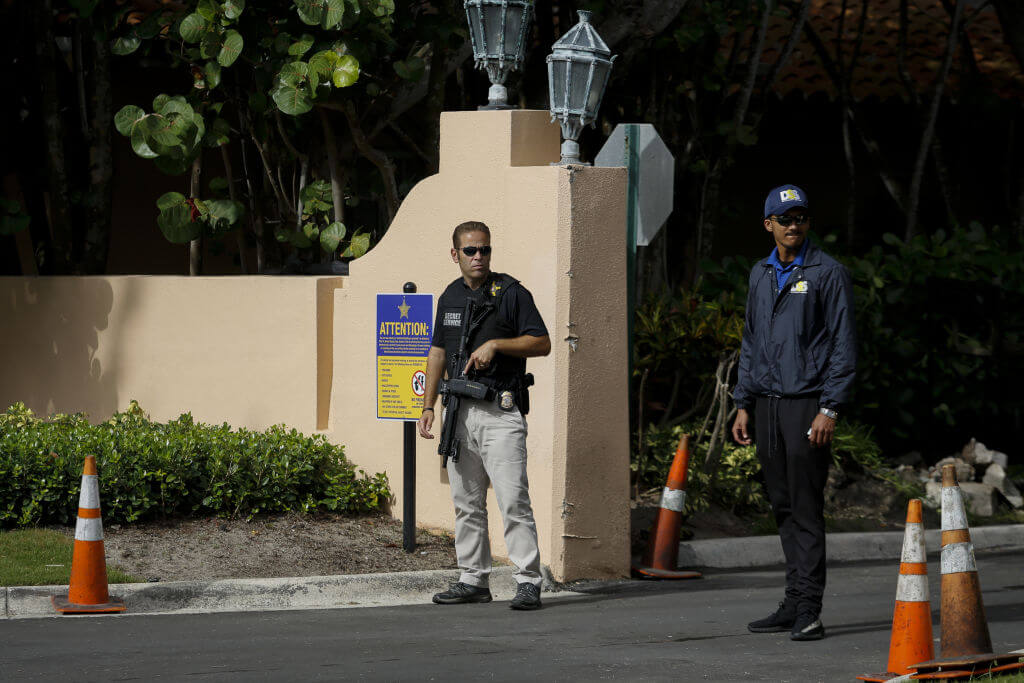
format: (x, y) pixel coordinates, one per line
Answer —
(324, 63)
(210, 45)
(301, 46)
(211, 71)
(311, 11)
(192, 28)
(333, 14)
(316, 196)
(170, 199)
(411, 69)
(292, 99)
(208, 9)
(359, 245)
(331, 236)
(125, 45)
(233, 8)
(346, 73)
(223, 213)
(126, 118)
(175, 218)
(231, 48)
(160, 100)
(293, 73)
(384, 8)
(140, 139)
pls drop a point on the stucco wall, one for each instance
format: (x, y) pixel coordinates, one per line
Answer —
(258, 350)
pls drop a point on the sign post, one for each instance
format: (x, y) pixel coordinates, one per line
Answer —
(403, 344)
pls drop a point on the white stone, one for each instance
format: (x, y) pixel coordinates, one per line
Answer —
(994, 476)
(981, 499)
(933, 494)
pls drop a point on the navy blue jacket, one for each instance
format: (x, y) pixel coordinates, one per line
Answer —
(800, 341)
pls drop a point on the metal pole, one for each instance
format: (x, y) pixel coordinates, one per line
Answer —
(632, 218)
(409, 472)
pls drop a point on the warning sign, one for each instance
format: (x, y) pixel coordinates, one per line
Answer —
(403, 343)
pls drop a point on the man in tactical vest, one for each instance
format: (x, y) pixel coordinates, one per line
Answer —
(486, 327)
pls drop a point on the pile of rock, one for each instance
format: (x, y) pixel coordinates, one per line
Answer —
(983, 480)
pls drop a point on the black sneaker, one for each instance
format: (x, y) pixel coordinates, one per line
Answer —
(527, 597)
(807, 626)
(782, 620)
(460, 593)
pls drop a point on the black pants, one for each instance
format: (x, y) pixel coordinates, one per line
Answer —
(795, 475)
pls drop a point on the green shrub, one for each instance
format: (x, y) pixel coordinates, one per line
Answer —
(734, 485)
(149, 469)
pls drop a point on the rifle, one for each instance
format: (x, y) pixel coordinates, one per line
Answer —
(455, 388)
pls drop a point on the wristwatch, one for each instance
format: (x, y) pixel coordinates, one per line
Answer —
(828, 412)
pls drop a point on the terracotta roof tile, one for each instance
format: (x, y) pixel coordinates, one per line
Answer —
(876, 73)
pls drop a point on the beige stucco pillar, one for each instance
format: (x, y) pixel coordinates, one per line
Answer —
(561, 231)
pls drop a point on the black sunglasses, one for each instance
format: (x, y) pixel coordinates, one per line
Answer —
(786, 221)
(471, 251)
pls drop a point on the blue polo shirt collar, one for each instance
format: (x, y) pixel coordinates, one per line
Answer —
(782, 271)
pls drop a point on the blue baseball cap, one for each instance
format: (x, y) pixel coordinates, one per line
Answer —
(783, 198)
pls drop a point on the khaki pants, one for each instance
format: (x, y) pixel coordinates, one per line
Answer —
(493, 450)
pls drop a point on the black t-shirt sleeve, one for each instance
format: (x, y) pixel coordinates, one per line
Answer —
(437, 338)
(521, 311)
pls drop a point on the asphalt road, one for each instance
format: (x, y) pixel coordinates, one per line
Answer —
(686, 631)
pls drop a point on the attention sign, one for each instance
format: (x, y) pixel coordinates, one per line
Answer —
(403, 344)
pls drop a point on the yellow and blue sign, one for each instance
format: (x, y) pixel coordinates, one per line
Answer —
(403, 344)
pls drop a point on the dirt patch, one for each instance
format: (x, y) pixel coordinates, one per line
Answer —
(272, 546)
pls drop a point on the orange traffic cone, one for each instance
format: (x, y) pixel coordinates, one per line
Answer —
(966, 645)
(659, 561)
(88, 590)
(964, 628)
(911, 639)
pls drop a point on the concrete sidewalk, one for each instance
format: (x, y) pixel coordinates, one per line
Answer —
(412, 588)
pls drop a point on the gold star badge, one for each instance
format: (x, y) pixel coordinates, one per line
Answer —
(403, 308)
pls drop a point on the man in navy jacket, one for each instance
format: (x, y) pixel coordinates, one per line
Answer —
(796, 368)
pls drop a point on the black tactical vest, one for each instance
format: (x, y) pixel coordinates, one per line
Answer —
(505, 372)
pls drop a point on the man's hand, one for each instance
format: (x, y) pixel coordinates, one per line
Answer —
(821, 431)
(739, 427)
(482, 357)
(425, 423)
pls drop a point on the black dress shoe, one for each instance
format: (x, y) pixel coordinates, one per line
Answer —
(782, 620)
(460, 593)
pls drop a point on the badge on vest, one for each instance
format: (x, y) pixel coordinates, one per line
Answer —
(799, 287)
(506, 400)
(495, 288)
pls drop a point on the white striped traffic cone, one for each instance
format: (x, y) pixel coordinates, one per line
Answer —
(911, 639)
(88, 589)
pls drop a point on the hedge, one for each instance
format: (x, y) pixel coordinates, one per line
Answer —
(182, 468)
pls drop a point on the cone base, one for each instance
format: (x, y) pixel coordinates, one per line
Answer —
(654, 573)
(942, 675)
(967, 661)
(61, 604)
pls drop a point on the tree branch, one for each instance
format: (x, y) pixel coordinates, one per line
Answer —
(932, 115)
(376, 157)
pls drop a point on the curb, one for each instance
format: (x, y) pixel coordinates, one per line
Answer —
(242, 595)
(766, 551)
(417, 588)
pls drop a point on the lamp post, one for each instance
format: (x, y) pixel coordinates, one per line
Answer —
(497, 29)
(578, 69)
